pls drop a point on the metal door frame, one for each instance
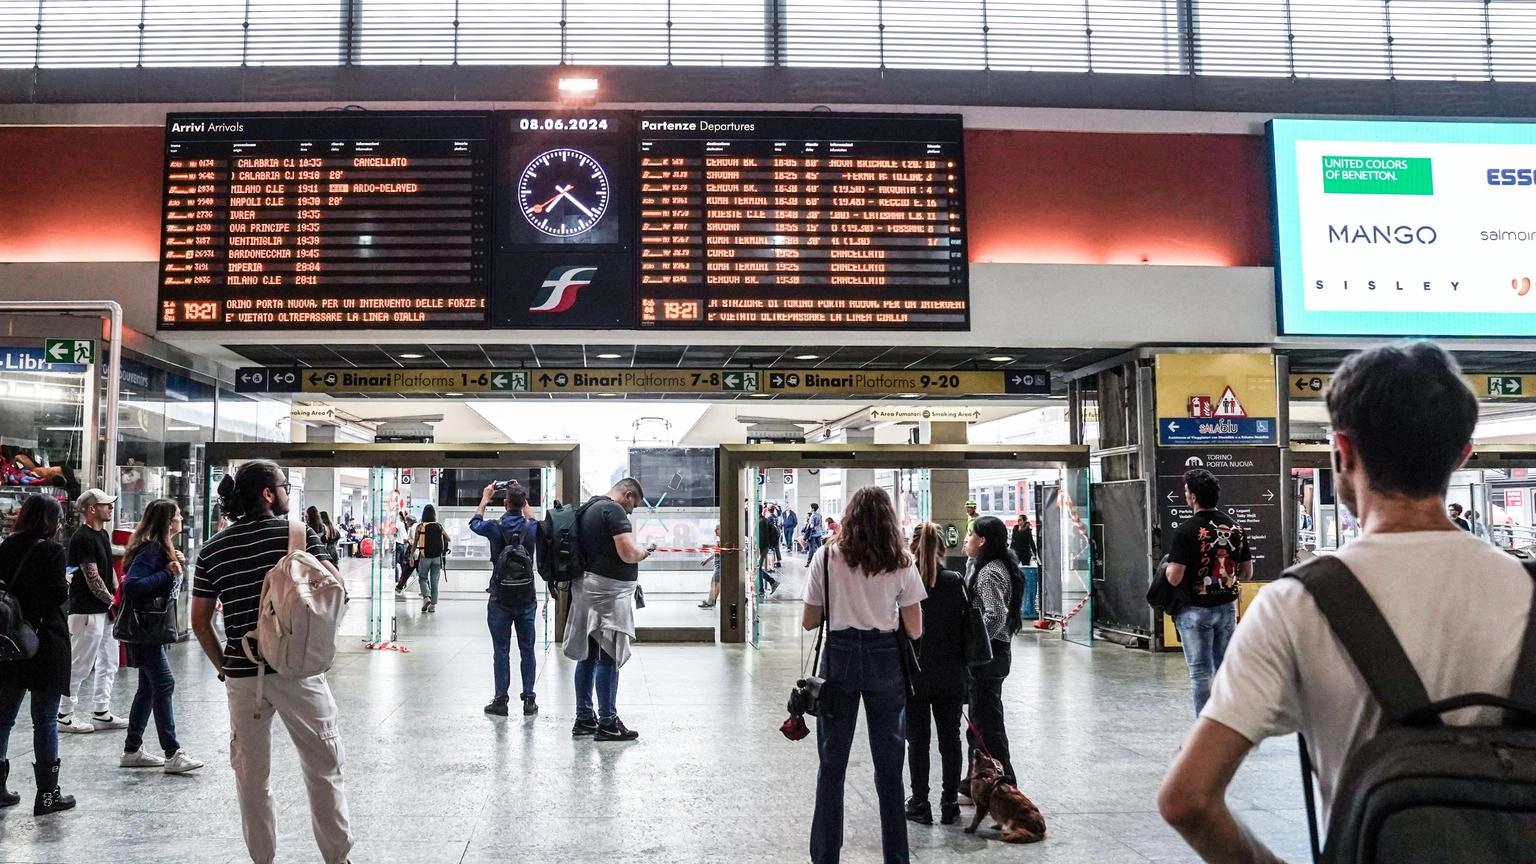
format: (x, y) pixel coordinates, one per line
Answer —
(734, 458)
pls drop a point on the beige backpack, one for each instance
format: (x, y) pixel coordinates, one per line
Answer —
(302, 604)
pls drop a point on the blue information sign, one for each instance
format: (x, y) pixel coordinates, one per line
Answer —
(1172, 431)
(33, 360)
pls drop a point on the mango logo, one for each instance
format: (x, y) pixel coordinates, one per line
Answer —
(1522, 285)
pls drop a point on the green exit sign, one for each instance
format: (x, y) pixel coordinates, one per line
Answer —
(1506, 385)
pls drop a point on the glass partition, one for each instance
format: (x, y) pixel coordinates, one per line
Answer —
(1076, 560)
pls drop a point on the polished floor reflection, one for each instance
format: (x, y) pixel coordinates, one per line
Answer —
(432, 780)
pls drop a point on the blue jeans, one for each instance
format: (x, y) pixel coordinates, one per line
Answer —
(428, 571)
(153, 696)
(1205, 632)
(501, 620)
(45, 724)
(812, 543)
(1030, 611)
(861, 664)
(599, 672)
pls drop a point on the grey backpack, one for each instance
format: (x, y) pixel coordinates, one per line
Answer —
(1421, 791)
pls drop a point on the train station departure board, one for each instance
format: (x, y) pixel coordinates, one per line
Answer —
(339, 219)
(564, 220)
(802, 221)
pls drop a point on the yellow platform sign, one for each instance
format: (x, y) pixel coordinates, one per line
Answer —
(1495, 385)
(882, 382)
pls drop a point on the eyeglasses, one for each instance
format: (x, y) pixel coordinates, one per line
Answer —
(286, 487)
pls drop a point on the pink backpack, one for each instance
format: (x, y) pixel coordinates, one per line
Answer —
(302, 605)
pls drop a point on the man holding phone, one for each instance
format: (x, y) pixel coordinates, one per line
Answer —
(93, 651)
(602, 619)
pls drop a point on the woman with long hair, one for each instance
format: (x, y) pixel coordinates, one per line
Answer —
(330, 535)
(32, 569)
(864, 586)
(312, 520)
(939, 690)
(996, 586)
(154, 579)
(430, 545)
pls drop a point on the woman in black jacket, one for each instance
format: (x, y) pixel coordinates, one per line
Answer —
(996, 587)
(32, 568)
(939, 690)
(153, 579)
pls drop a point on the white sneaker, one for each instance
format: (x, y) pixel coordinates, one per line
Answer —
(141, 759)
(105, 720)
(68, 723)
(181, 763)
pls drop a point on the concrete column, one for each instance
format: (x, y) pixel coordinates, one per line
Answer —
(322, 486)
(949, 488)
(807, 489)
(857, 478)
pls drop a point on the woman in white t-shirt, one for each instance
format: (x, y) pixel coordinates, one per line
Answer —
(866, 584)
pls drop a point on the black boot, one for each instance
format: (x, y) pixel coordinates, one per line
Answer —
(918, 810)
(7, 797)
(49, 798)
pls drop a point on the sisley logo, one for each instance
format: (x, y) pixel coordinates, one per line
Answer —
(558, 292)
(1389, 234)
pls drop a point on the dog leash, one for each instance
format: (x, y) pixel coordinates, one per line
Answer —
(981, 742)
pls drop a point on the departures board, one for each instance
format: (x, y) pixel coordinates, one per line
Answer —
(563, 220)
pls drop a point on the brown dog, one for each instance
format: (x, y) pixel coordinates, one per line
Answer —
(1016, 815)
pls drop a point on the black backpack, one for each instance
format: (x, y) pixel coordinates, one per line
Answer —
(432, 545)
(18, 638)
(560, 559)
(1419, 790)
(512, 580)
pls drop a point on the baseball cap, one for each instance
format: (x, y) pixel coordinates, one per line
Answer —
(970, 503)
(94, 496)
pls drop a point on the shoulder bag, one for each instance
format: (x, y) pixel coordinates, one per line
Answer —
(811, 695)
(975, 640)
(147, 620)
(18, 638)
(1163, 594)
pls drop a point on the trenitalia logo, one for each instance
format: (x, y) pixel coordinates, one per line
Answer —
(1382, 234)
(558, 292)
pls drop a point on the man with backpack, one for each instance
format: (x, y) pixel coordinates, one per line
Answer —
(232, 570)
(1357, 648)
(602, 619)
(513, 603)
(814, 531)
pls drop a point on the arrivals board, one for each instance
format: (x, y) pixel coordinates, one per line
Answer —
(802, 221)
(326, 220)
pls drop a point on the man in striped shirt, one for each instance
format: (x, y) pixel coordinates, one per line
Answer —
(230, 570)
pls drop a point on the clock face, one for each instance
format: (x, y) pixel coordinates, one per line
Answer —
(563, 192)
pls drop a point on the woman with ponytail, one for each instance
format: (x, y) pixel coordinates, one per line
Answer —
(938, 692)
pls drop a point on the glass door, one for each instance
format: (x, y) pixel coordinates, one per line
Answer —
(550, 599)
(384, 506)
(752, 564)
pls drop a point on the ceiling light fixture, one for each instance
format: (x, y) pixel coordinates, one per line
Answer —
(911, 395)
(453, 395)
(182, 428)
(411, 356)
(607, 394)
(1000, 359)
(609, 356)
(807, 356)
(761, 395)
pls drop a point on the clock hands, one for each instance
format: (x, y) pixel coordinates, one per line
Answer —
(563, 192)
(560, 192)
(566, 194)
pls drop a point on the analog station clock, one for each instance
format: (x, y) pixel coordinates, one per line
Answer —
(563, 192)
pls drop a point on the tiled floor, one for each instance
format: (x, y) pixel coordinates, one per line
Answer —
(432, 779)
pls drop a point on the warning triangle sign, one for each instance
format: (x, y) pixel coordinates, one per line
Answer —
(1228, 406)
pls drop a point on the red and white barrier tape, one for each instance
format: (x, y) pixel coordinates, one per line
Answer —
(386, 646)
(710, 549)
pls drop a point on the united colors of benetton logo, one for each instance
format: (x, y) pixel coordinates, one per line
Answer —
(558, 293)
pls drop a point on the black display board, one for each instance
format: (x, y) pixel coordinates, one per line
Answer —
(561, 219)
(802, 221)
(1252, 493)
(328, 220)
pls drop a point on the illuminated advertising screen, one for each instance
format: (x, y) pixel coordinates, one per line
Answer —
(1405, 228)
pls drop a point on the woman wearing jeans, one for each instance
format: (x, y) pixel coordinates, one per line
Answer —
(154, 573)
(996, 586)
(32, 569)
(866, 585)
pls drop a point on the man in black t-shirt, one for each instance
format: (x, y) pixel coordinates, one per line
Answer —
(92, 649)
(601, 623)
(1209, 558)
